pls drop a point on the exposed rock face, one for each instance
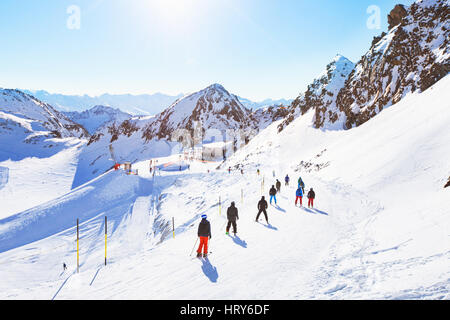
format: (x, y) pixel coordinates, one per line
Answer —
(396, 15)
(263, 117)
(412, 56)
(321, 95)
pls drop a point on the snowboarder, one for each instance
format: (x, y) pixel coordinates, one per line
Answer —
(273, 193)
(204, 233)
(301, 184)
(278, 185)
(299, 195)
(286, 180)
(311, 197)
(262, 207)
(232, 216)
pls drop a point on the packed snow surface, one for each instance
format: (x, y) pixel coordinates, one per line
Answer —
(380, 227)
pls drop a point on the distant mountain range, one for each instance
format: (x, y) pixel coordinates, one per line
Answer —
(96, 117)
(144, 104)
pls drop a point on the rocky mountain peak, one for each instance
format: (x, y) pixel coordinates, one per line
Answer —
(396, 15)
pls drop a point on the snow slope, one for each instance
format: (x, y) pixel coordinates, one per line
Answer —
(36, 179)
(380, 228)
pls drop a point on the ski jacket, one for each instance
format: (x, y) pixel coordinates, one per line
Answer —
(232, 213)
(311, 194)
(286, 179)
(299, 192)
(278, 184)
(204, 229)
(262, 205)
(272, 191)
(301, 183)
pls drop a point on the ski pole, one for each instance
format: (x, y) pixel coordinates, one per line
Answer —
(194, 247)
(209, 245)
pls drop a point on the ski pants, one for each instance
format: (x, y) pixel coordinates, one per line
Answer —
(232, 222)
(310, 202)
(296, 199)
(203, 244)
(273, 197)
(265, 214)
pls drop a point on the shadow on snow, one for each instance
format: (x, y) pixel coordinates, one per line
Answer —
(209, 270)
(239, 241)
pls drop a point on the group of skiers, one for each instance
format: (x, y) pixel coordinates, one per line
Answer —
(204, 229)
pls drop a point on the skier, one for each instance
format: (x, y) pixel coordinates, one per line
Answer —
(262, 207)
(278, 185)
(286, 180)
(299, 195)
(272, 193)
(204, 233)
(64, 266)
(311, 196)
(257, 171)
(242, 171)
(301, 184)
(229, 169)
(232, 215)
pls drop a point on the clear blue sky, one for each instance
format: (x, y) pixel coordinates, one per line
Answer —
(256, 49)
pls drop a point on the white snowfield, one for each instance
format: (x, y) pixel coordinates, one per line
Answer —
(380, 228)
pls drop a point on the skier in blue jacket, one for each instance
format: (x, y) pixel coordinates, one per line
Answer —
(299, 195)
(286, 180)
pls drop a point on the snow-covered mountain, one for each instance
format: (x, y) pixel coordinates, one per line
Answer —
(213, 108)
(211, 114)
(321, 94)
(249, 104)
(144, 104)
(98, 116)
(411, 57)
(29, 127)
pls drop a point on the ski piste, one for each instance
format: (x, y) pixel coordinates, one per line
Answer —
(370, 136)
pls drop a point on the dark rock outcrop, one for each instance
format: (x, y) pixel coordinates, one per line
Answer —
(396, 15)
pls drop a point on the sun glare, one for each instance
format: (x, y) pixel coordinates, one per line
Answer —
(174, 11)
